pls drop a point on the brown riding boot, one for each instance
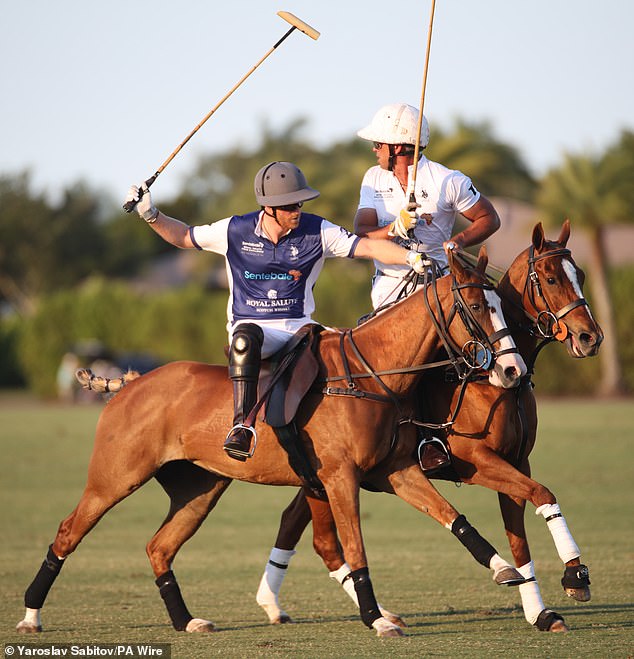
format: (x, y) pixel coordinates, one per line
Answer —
(244, 370)
(433, 455)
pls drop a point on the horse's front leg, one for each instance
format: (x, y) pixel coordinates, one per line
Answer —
(576, 579)
(412, 486)
(343, 494)
(535, 612)
(494, 472)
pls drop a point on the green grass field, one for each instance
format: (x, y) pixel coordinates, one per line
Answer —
(106, 594)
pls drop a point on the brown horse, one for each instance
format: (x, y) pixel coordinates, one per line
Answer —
(493, 434)
(169, 423)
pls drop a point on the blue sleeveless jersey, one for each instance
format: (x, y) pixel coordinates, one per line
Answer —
(271, 281)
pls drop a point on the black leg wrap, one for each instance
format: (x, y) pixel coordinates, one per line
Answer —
(479, 548)
(38, 590)
(365, 594)
(576, 576)
(171, 594)
(546, 618)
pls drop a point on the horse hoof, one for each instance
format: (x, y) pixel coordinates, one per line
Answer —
(392, 617)
(276, 615)
(579, 594)
(390, 633)
(508, 576)
(559, 626)
(197, 625)
(24, 627)
(283, 619)
(386, 629)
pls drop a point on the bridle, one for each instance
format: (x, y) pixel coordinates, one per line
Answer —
(477, 354)
(547, 323)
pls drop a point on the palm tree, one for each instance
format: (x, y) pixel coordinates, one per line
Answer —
(496, 168)
(595, 192)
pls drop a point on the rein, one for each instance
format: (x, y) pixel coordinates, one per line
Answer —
(477, 355)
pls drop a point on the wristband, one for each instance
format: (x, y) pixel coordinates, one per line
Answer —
(154, 213)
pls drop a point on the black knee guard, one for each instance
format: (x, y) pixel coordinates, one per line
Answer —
(244, 354)
(480, 549)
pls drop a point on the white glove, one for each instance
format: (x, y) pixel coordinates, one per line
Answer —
(418, 261)
(140, 196)
(405, 221)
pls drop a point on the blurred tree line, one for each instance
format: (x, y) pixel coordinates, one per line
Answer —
(68, 269)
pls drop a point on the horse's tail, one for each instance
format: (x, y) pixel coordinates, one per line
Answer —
(89, 380)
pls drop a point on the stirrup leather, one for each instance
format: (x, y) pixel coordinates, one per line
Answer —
(241, 426)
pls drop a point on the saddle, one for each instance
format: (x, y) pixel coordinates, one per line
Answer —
(285, 379)
(292, 371)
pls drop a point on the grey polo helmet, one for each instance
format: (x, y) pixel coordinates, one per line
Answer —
(282, 183)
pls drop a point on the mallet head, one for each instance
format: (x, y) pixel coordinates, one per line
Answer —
(299, 24)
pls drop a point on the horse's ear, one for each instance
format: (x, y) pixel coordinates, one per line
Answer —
(538, 236)
(454, 264)
(565, 233)
(483, 259)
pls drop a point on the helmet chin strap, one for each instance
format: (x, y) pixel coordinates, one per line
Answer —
(406, 152)
(392, 158)
(273, 214)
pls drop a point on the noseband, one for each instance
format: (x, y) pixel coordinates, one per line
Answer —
(479, 352)
(548, 322)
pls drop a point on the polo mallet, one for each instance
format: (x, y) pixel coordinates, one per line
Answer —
(297, 24)
(412, 183)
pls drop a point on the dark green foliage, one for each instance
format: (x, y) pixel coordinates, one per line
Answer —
(62, 263)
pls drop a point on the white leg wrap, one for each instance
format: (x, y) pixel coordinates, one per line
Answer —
(32, 616)
(529, 592)
(497, 562)
(348, 585)
(273, 576)
(564, 542)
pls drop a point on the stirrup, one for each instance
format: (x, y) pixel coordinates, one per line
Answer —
(238, 452)
(432, 441)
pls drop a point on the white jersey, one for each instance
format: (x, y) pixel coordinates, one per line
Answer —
(441, 193)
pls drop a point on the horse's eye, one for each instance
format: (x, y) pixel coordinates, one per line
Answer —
(551, 280)
(476, 307)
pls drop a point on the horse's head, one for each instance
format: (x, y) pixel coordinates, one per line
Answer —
(487, 342)
(551, 288)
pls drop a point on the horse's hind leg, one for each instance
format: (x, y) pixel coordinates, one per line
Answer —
(99, 496)
(193, 493)
(293, 522)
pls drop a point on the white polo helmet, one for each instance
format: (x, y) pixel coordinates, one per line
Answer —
(396, 124)
(282, 183)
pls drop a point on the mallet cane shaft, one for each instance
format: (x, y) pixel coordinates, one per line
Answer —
(297, 24)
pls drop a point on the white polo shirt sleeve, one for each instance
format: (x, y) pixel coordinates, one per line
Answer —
(460, 193)
(337, 241)
(211, 237)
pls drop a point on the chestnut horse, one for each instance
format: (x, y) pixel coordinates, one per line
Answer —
(491, 438)
(169, 424)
